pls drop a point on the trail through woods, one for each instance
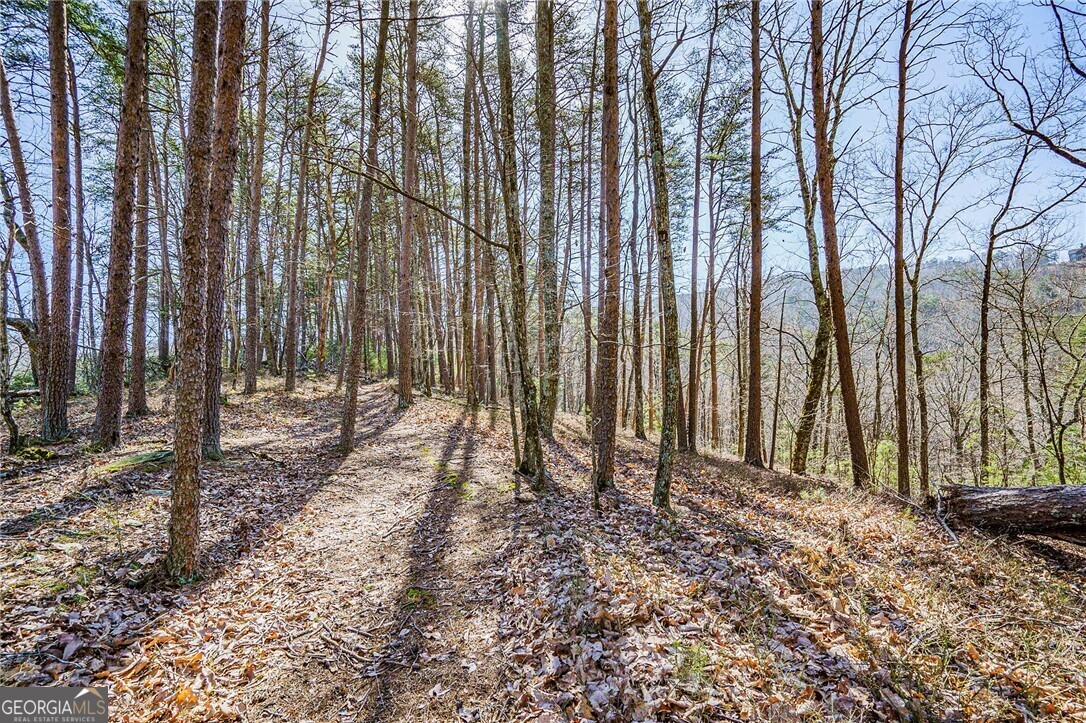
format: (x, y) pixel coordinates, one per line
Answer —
(405, 582)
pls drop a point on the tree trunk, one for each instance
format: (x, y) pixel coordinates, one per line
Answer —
(407, 231)
(900, 351)
(695, 338)
(545, 112)
(137, 384)
(605, 410)
(1054, 511)
(183, 556)
(532, 461)
(29, 237)
(79, 222)
(54, 419)
(252, 245)
(824, 176)
(752, 447)
(358, 308)
(290, 344)
(107, 423)
(661, 495)
(224, 155)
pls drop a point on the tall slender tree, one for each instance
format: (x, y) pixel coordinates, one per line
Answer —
(54, 420)
(183, 555)
(531, 463)
(861, 474)
(900, 334)
(605, 411)
(224, 153)
(752, 447)
(365, 211)
(137, 384)
(256, 189)
(548, 262)
(119, 285)
(661, 494)
(404, 294)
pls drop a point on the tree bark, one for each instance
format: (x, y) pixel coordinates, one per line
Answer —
(545, 116)
(252, 244)
(54, 420)
(693, 371)
(752, 447)
(824, 176)
(900, 349)
(137, 384)
(1054, 511)
(183, 555)
(409, 226)
(604, 413)
(661, 495)
(29, 237)
(293, 260)
(107, 423)
(532, 460)
(358, 309)
(224, 155)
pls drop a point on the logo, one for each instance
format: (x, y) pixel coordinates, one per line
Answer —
(54, 705)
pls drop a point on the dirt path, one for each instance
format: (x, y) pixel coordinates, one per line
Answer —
(375, 603)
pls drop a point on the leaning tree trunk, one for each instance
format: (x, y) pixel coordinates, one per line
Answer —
(824, 176)
(1054, 511)
(129, 132)
(29, 237)
(224, 154)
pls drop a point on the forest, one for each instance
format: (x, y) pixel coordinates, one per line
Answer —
(694, 360)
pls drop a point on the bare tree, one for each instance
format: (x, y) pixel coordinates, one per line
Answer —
(252, 246)
(661, 495)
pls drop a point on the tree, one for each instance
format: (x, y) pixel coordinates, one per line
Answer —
(901, 373)
(752, 447)
(545, 112)
(183, 555)
(467, 317)
(365, 216)
(290, 343)
(531, 463)
(54, 422)
(252, 245)
(605, 410)
(661, 494)
(129, 133)
(224, 152)
(38, 340)
(695, 223)
(404, 303)
(861, 474)
(137, 384)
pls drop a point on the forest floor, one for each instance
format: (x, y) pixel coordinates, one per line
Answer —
(407, 581)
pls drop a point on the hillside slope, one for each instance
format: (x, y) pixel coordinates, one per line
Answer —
(406, 581)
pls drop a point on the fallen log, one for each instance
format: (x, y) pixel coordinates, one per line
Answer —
(1053, 511)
